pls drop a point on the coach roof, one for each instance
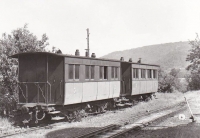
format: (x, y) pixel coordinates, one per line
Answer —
(73, 56)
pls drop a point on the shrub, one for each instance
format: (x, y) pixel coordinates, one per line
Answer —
(169, 82)
(20, 40)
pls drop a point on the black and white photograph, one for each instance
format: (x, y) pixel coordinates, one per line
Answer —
(99, 68)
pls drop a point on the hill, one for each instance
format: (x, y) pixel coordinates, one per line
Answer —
(168, 55)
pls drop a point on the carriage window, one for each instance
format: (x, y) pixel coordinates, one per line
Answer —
(92, 72)
(112, 72)
(77, 71)
(149, 73)
(105, 72)
(71, 71)
(100, 72)
(116, 72)
(87, 69)
(135, 73)
(143, 73)
(154, 74)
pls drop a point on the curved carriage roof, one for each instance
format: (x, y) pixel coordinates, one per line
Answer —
(73, 56)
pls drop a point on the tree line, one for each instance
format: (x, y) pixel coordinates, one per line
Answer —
(170, 82)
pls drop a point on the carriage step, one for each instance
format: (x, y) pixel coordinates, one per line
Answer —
(53, 112)
(118, 101)
(120, 104)
(124, 99)
(57, 118)
(128, 104)
(48, 109)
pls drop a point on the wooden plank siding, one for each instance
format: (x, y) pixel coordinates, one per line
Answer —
(85, 90)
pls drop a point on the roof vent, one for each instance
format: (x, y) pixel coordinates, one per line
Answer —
(139, 61)
(93, 55)
(77, 53)
(122, 59)
(130, 59)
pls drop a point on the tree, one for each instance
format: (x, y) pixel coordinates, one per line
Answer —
(194, 58)
(169, 82)
(20, 40)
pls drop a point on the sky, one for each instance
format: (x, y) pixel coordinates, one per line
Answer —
(114, 25)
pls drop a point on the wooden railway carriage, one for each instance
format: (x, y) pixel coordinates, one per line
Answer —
(48, 79)
(138, 80)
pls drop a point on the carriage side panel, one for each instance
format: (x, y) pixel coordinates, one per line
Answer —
(91, 86)
(89, 91)
(73, 93)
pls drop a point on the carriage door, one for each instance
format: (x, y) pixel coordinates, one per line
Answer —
(56, 79)
(126, 79)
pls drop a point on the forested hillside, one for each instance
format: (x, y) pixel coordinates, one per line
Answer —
(169, 55)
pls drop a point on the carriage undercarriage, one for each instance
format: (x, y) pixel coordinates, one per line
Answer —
(34, 113)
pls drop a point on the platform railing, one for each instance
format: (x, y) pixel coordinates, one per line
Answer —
(60, 91)
(46, 93)
(42, 92)
(26, 94)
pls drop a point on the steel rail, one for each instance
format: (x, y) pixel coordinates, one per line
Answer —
(98, 131)
(152, 111)
(94, 133)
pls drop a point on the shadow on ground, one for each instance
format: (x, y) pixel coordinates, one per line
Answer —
(191, 130)
(70, 132)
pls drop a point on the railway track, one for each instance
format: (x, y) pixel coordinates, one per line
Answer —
(22, 130)
(112, 129)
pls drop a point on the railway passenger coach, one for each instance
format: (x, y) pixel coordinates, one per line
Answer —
(49, 81)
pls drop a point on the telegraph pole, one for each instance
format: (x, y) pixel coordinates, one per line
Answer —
(88, 49)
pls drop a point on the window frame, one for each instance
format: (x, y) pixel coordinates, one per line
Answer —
(105, 75)
(69, 68)
(143, 73)
(88, 72)
(74, 72)
(149, 74)
(154, 74)
(103, 72)
(90, 67)
(90, 75)
(135, 73)
(114, 73)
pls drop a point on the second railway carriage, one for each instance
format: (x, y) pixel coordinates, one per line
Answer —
(138, 79)
(49, 81)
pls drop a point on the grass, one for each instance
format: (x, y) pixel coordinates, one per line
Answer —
(111, 117)
(5, 123)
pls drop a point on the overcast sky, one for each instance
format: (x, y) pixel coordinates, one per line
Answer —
(114, 24)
